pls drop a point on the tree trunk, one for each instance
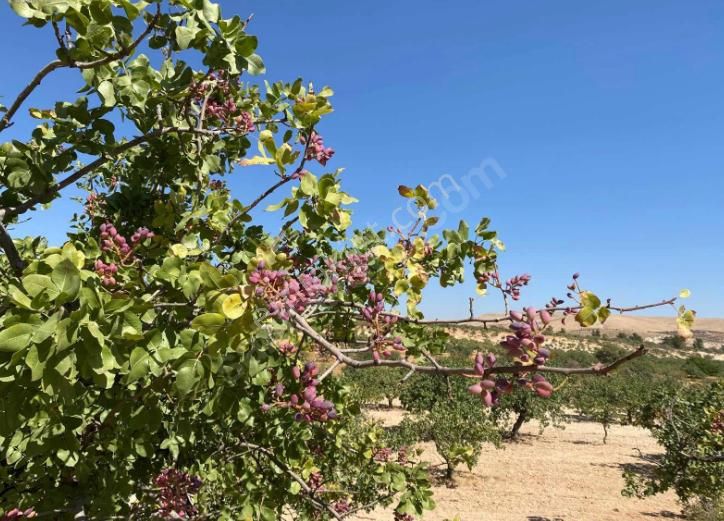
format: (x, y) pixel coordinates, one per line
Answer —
(449, 474)
(605, 432)
(518, 424)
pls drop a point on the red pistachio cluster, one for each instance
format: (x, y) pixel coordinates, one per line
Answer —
(107, 272)
(385, 454)
(399, 516)
(352, 269)
(308, 404)
(16, 513)
(92, 203)
(717, 424)
(213, 95)
(526, 343)
(512, 285)
(114, 242)
(341, 507)
(316, 481)
(488, 390)
(381, 344)
(525, 346)
(175, 489)
(286, 347)
(316, 149)
(282, 292)
(217, 185)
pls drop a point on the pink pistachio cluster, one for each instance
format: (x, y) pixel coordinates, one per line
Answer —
(488, 390)
(16, 513)
(309, 405)
(352, 269)
(525, 346)
(112, 241)
(385, 454)
(342, 506)
(717, 423)
(286, 347)
(282, 292)
(399, 516)
(381, 324)
(526, 343)
(216, 92)
(316, 481)
(107, 272)
(217, 185)
(316, 149)
(92, 203)
(174, 490)
(512, 285)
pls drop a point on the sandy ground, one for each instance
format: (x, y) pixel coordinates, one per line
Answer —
(561, 475)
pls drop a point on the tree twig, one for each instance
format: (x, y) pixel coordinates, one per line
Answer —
(11, 252)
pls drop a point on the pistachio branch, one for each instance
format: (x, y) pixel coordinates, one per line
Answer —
(11, 252)
(5, 122)
(303, 326)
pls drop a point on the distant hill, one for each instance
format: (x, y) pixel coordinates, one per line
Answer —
(641, 325)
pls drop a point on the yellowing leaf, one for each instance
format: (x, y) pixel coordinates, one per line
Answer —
(257, 160)
(684, 293)
(381, 251)
(179, 250)
(233, 307)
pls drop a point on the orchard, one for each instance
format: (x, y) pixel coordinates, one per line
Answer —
(174, 358)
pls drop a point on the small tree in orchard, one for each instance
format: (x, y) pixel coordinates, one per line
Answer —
(166, 360)
(458, 429)
(520, 406)
(689, 425)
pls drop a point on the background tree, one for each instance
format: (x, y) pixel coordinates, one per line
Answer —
(689, 425)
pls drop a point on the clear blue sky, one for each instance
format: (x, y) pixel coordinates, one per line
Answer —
(607, 119)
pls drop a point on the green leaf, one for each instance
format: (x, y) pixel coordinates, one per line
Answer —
(210, 276)
(255, 65)
(190, 373)
(211, 11)
(67, 279)
(107, 93)
(36, 284)
(185, 35)
(139, 364)
(308, 186)
(16, 337)
(208, 322)
(179, 250)
(22, 8)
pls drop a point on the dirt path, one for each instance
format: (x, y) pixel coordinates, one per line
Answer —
(561, 475)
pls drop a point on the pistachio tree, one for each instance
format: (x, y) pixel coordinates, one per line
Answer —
(174, 356)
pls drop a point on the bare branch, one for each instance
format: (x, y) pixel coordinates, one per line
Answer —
(11, 252)
(493, 320)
